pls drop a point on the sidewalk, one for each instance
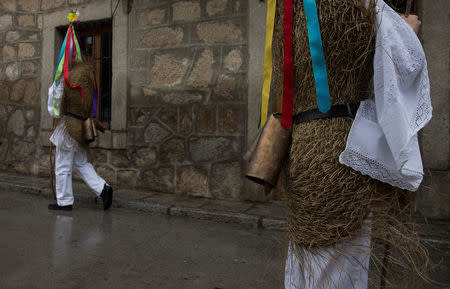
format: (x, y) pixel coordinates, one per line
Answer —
(269, 216)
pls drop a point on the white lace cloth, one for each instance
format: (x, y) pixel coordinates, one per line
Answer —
(382, 142)
(60, 136)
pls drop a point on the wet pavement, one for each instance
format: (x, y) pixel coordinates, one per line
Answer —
(91, 248)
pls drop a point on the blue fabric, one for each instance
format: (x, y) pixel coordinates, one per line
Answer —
(317, 56)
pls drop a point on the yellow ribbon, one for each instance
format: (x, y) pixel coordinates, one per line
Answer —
(267, 74)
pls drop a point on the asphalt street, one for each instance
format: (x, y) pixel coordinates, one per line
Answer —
(92, 248)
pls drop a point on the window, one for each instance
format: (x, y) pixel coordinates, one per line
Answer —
(96, 43)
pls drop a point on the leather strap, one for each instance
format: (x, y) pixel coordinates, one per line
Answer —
(341, 110)
(75, 116)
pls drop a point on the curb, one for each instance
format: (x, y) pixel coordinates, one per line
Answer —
(152, 205)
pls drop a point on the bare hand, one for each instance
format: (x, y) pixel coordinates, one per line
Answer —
(413, 21)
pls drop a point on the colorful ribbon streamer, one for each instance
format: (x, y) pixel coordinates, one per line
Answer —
(267, 74)
(71, 52)
(317, 56)
(288, 90)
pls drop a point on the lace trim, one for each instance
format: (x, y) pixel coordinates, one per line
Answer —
(367, 166)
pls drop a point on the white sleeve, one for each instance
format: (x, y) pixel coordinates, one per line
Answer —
(55, 92)
(382, 142)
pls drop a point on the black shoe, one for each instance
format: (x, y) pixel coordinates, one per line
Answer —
(57, 207)
(107, 196)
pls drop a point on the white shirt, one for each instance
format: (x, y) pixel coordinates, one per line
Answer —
(60, 136)
(382, 142)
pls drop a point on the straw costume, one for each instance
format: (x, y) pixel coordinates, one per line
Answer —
(349, 178)
(72, 100)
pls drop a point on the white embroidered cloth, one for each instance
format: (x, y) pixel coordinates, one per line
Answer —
(382, 142)
(60, 137)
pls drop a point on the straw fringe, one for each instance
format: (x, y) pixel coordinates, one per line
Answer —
(327, 202)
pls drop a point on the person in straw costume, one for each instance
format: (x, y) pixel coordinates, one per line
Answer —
(71, 149)
(350, 179)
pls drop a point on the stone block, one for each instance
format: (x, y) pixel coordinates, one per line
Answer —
(99, 156)
(216, 7)
(44, 137)
(156, 133)
(141, 116)
(182, 97)
(138, 77)
(135, 136)
(202, 73)
(28, 5)
(107, 173)
(226, 180)
(3, 149)
(12, 72)
(26, 50)
(169, 116)
(120, 159)
(29, 115)
(8, 5)
(173, 150)
(208, 148)
(139, 59)
(219, 32)
(164, 36)
(126, 178)
(12, 36)
(5, 21)
(152, 17)
(206, 119)
(25, 91)
(192, 181)
(119, 140)
(33, 36)
(28, 67)
(160, 179)
(8, 53)
(233, 60)
(226, 88)
(26, 21)
(186, 121)
(231, 119)
(52, 4)
(23, 151)
(4, 91)
(186, 11)
(168, 70)
(16, 123)
(144, 157)
(30, 133)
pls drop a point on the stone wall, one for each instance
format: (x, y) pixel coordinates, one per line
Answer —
(20, 50)
(186, 99)
(187, 103)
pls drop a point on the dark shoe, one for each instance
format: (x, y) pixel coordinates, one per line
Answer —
(107, 196)
(57, 207)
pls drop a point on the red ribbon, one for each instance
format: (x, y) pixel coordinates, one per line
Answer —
(288, 87)
(67, 62)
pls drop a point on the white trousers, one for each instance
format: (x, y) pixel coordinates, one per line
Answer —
(343, 267)
(65, 161)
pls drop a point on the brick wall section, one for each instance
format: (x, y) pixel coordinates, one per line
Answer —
(187, 103)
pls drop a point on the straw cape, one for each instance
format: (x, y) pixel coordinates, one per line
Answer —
(328, 202)
(81, 75)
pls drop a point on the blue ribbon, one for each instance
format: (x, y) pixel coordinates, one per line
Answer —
(61, 53)
(317, 56)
